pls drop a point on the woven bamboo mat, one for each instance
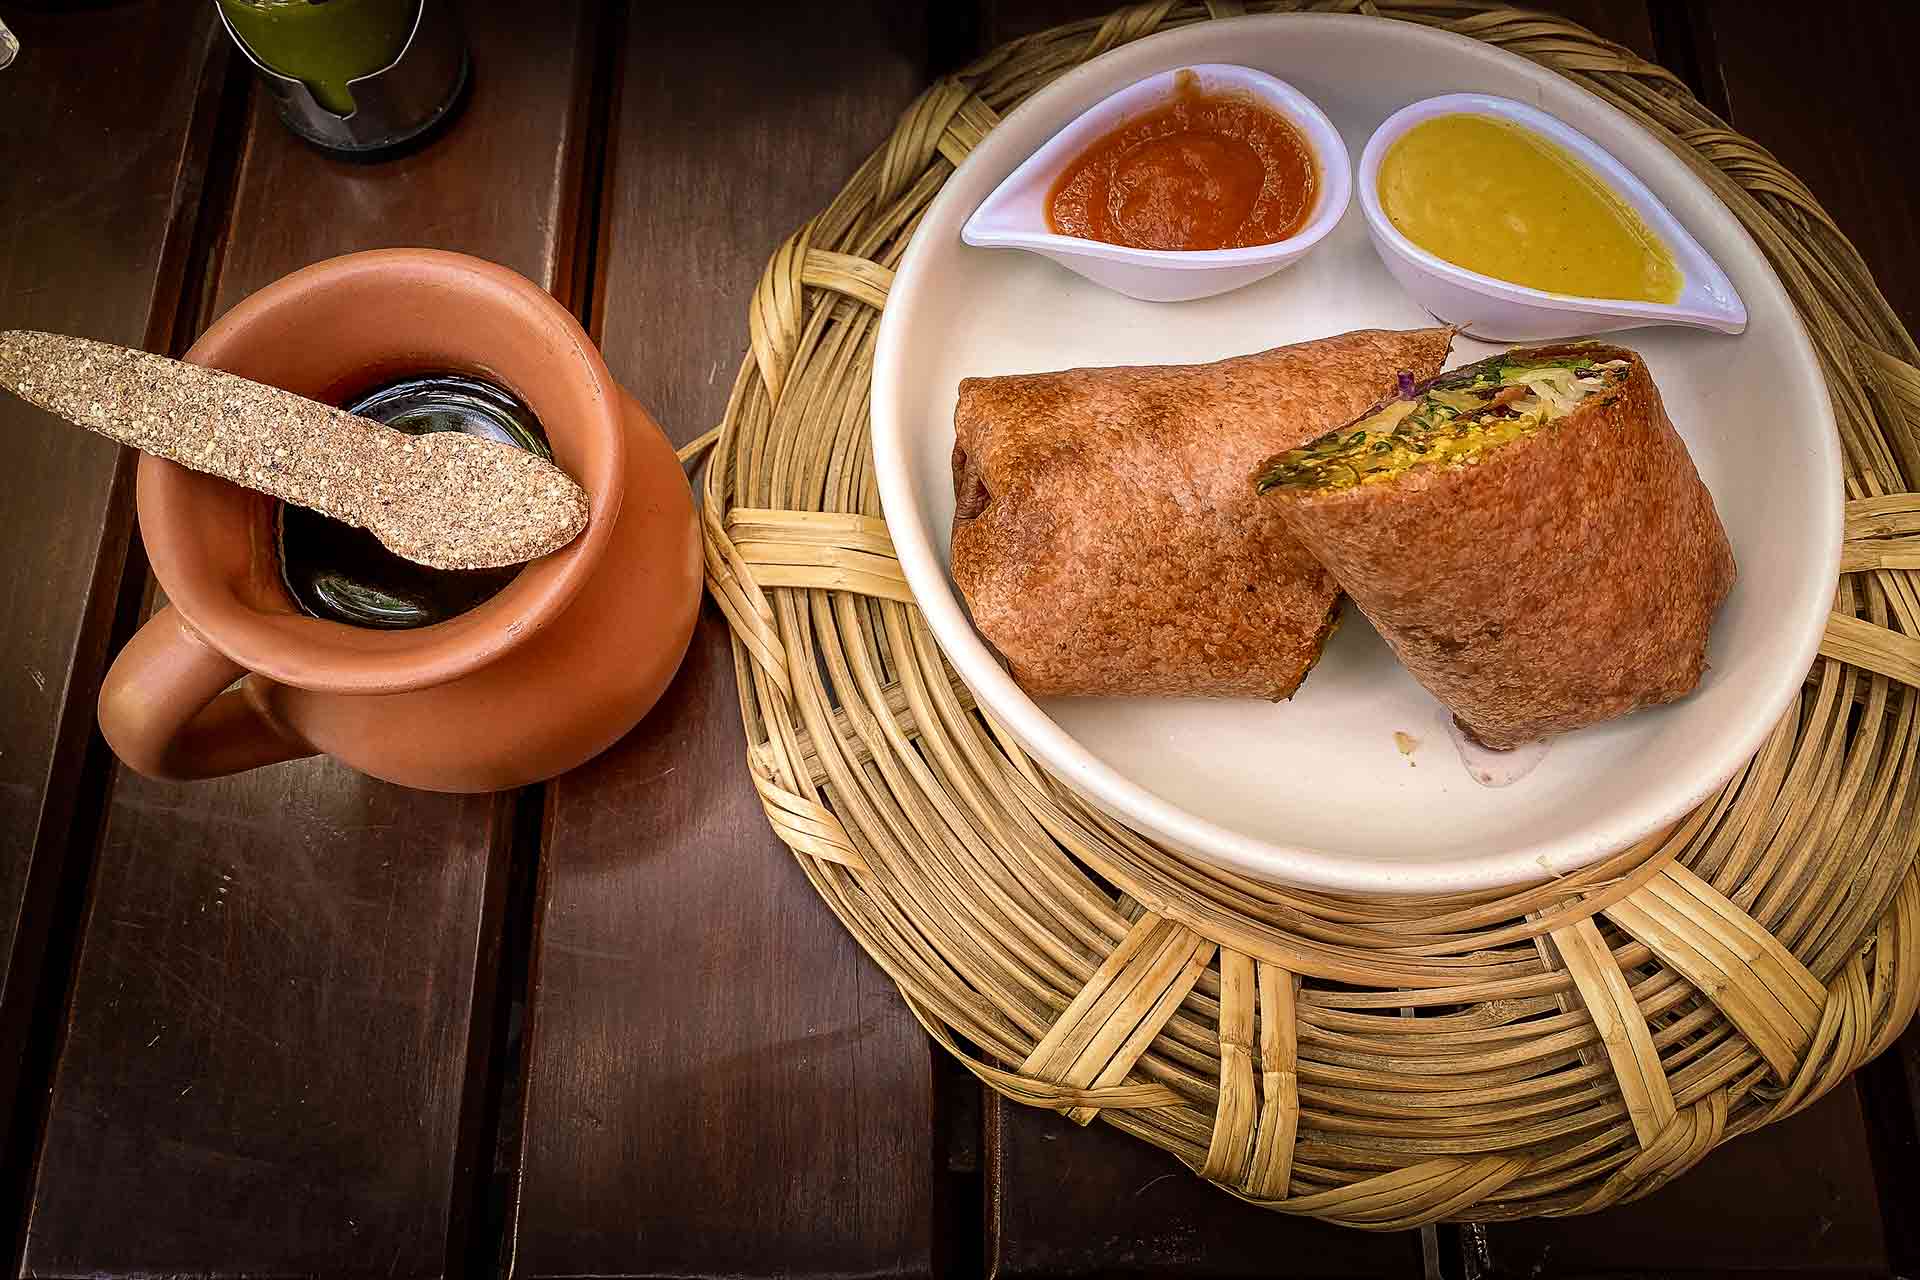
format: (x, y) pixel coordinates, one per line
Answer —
(1375, 1062)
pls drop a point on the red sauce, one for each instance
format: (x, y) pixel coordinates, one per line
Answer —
(1205, 171)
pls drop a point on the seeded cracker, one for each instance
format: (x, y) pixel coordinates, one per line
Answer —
(447, 501)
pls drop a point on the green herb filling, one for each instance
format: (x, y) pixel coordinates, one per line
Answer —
(1456, 421)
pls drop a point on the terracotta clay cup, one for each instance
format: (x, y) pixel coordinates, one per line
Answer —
(546, 674)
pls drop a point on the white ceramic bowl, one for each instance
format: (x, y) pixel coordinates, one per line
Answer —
(1500, 311)
(1015, 215)
(1316, 791)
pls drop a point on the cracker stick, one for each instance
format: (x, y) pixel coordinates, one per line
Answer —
(444, 500)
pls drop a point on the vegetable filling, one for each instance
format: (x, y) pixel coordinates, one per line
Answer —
(1455, 420)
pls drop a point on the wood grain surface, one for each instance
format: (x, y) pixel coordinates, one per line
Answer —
(1764, 60)
(1794, 1198)
(1828, 90)
(98, 198)
(719, 1081)
(298, 995)
(267, 1059)
(1073, 1202)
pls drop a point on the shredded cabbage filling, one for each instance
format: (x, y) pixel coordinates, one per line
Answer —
(1455, 420)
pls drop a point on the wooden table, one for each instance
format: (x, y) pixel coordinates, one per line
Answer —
(301, 1022)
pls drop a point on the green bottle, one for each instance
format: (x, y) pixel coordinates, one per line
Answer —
(324, 43)
(360, 78)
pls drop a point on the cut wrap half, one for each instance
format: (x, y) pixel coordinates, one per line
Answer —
(1104, 534)
(1527, 532)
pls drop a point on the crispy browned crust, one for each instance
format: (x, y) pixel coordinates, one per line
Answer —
(1106, 538)
(1566, 579)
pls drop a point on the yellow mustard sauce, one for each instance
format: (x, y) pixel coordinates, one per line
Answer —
(1495, 198)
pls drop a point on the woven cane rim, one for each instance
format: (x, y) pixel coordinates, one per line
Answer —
(1377, 1062)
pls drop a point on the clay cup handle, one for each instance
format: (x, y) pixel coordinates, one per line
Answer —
(168, 711)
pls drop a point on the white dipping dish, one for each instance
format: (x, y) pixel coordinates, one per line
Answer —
(1501, 311)
(1316, 791)
(1014, 216)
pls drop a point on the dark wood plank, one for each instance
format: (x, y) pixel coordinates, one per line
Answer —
(1900, 1170)
(1004, 20)
(720, 1083)
(1623, 20)
(1890, 1098)
(1829, 92)
(95, 214)
(269, 1045)
(1795, 1198)
(1825, 91)
(1069, 1202)
(269, 1062)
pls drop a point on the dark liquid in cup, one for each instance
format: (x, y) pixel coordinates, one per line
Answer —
(338, 573)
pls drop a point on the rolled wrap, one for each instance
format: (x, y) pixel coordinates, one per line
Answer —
(1104, 534)
(1553, 582)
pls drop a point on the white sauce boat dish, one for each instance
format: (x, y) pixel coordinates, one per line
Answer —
(1015, 215)
(1500, 311)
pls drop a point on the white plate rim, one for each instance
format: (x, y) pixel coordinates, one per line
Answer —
(1134, 804)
